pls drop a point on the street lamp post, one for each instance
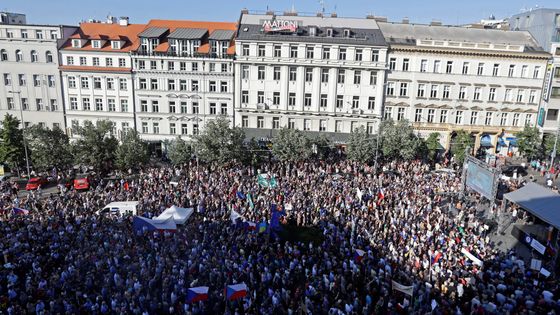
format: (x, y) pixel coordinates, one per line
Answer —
(23, 128)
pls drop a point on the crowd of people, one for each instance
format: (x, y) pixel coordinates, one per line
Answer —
(63, 258)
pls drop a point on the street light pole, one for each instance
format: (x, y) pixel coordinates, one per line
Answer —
(23, 128)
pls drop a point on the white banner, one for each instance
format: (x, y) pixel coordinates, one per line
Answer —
(475, 260)
(402, 288)
(538, 246)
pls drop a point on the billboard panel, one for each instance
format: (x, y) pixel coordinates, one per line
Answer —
(480, 179)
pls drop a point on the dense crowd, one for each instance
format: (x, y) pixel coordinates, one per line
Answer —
(62, 258)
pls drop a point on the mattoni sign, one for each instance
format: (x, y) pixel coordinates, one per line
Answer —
(280, 26)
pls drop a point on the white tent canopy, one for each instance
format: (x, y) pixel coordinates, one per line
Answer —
(179, 215)
(539, 201)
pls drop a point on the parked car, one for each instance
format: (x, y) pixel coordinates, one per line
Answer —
(510, 169)
(35, 182)
(67, 182)
(81, 182)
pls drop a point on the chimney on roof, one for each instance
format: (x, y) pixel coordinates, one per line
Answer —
(435, 23)
(290, 13)
(319, 14)
(370, 17)
(477, 26)
(380, 19)
(333, 15)
(269, 12)
(123, 21)
(405, 20)
(244, 11)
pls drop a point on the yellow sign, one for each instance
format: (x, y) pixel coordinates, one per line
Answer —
(1, 170)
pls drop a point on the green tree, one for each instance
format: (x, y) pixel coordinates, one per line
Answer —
(95, 146)
(49, 148)
(255, 153)
(398, 140)
(529, 142)
(12, 149)
(361, 146)
(132, 152)
(548, 145)
(432, 145)
(180, 151)
(219, 142)
(459, 144)
(323, 145)
(291, 145)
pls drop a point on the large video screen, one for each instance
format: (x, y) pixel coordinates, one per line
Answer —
(480, 180)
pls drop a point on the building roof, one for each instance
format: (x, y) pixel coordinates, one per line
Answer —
(539, 201)
(128, 34)
(411, 34)
(222, 35)
(362, 31)
(188, 33)
(153, 32)
(175, 25)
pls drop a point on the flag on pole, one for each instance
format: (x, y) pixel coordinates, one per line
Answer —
(250, 201)
(236, 291)
(359, 194)
(262, 227)
(234, 216)
(359, 255)
(197, 294)
(20, 211)
(251, 226)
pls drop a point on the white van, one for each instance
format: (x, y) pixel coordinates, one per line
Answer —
(120, 208)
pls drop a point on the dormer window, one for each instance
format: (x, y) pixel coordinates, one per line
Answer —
(312, 31)
(225, 45)
(329, 32)
(96, 43)
(196, 45)
(115, 44)
(76, 43)
(346, 33)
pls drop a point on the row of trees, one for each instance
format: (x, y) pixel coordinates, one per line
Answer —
(532, 146)
(48, 148)
(96, 146)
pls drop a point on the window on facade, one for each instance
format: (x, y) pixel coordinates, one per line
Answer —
(480, 69)
(421, 90)
(194, 85)
(495, 70)
(292, 99)
(223, 86)
(244, 121)
(83, 61)
(477, 92)
(511, 70)
(291, 123)
(293, 51)
(261, 51)
(423, 65)
(73, 103)
(34, 56)
(292, 73)
(276, 74)
(391, 88)
(124, 105)
(97, 83)
(260, 122)
(339, 101)
(459, 117)
(532, 97)
(418, 115)
(212, 108)
(492, 94)
(308, 74)
(355, 102)
(195, 108)
(155, 107)
(111, 105)
(309, 52)
(212, 86)
(260, 72)
(86, 104)
(275, 122)
(19, 55)
(503, 119)
(404, 89)
(326, 53)
(95, 61)
(359, 55)
(446, 91)
(462, 92)
(244, 97)
(537, 72)
(184, 108)
(431, 114)
(520, 94)
(524, 71)
(84, 82)
(306, 124)
(515, 121)
(245, 50)
(341, 76)
(7, 79)
(276, 98)
(488, 119)
(437, 66)
(465, 68)
(357, 77)
(110, 84)
(342, 54)
(338, 126)
(184, 129)
(373, 78)
(434, 91)
(122, 62)
(3, 55)
(143, 106)
(474, 118)
(400, 113)
(144, 127)
(375, 55)
(323, 101)
(405, 64)
(392, 63)
(307, 100)
(443, 116)
(244, 72)
(98, 104)
(11, 104)
(36, 80)
(260, 97)
(277, 51)
(182, 85)
(529, 120)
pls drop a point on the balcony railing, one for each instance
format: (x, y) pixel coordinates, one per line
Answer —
(178, 54)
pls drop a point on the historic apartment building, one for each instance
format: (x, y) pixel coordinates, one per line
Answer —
(183, 77)
(96, 68)
(313, 73)
(445, 78)
(30, 81)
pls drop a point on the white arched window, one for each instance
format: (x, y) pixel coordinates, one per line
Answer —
(49, 56)
(19, 55)
(34, 56)
(3, 55)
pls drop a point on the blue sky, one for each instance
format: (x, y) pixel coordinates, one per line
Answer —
(140, 11)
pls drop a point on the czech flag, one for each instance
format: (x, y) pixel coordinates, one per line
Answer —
(197, 294)
(20, 211)
(359, 255)
(381, 195)
(236, 291)
(251, 226)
